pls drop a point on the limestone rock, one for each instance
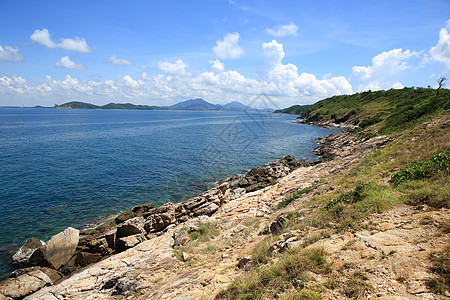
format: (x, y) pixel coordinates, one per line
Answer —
(24, 284)
(143, 209)
(58, 250)
(207, 209)
(126, 215)
(131, 227)
(21, 257)
(127, 242)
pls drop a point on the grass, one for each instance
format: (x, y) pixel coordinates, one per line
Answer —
(441, 267)
(295, 195)
(266, 282)
(357, 286)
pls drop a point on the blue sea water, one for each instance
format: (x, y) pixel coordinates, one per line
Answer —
(61, 168)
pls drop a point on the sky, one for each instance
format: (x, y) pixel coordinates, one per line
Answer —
(163, 52)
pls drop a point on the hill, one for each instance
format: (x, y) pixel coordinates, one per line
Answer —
(294, 110)
(128, 106)
(195, 104)
(388, 111)
(76, 105)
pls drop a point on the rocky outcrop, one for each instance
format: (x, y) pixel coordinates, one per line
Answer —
(261, 177)
(21, 257)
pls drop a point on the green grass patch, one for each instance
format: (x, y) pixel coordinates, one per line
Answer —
(427, 168)
(267, 282)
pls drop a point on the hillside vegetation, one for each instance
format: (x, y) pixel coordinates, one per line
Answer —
(389, 111)
(411, 173)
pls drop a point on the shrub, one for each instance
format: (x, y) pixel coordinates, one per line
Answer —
(423, 169)
(370, 121)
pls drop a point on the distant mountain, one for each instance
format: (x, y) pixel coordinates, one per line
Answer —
(83, 105)
(130, 106)
(236, 105)
(200, 104)
(195, 104)
(191, 104)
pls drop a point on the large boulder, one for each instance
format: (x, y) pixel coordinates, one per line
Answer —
(127, 242)
(58, 250)
(130, 227)
(21, 257)
(25, 284)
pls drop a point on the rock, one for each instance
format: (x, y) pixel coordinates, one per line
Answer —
(126, 215)
(127, 242)
(58, 250)
(143, 209)
(99, 246)
(243, 261)
(24, 284)
(130, 227)
(51, 273)
(110, 238)
(160, 221)
(207, 209)
(180, 238)
(277, 225)
(21, 257)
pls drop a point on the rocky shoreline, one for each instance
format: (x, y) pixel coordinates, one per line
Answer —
(41, 264)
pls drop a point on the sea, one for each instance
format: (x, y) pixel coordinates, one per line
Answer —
(70, 167)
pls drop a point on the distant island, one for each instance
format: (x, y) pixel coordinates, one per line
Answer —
(191, 104)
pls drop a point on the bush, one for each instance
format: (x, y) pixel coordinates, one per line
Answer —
(423, 169)
(370, 121)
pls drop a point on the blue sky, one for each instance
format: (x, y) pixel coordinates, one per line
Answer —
(162, 52)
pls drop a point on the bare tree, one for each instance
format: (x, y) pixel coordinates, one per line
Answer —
(441, 84)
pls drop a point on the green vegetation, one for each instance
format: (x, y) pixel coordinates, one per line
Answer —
(294, 110)
(423, 169)
(290, 271)
(391, 111)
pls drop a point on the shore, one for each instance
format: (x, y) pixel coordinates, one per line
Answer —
(195, 249)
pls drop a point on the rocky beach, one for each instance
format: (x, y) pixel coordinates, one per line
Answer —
(197, 248)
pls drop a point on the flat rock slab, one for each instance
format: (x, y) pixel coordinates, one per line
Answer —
(24, 285)
(60, 248)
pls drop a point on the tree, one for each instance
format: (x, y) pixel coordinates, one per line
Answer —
(441, 84)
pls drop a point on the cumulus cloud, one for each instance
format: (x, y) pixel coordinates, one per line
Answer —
(115, 61)
(177, 68)
(441, 52)
(217, 65)
(384, 65)
(281, 82)
(43, 38)
(228, 47)
(283, 30)
(284, 79)
(11, 54)
(65, 62)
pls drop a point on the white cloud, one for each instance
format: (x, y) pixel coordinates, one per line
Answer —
(11, 54)
(65, 62)
(177, 68)
(228, 47)
(281, 82)
(441, 52)
(283, 30)
(43, 38)
(217, 65)
(115, 61)
(383, 66)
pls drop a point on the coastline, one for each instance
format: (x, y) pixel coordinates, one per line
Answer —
(231, 205)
